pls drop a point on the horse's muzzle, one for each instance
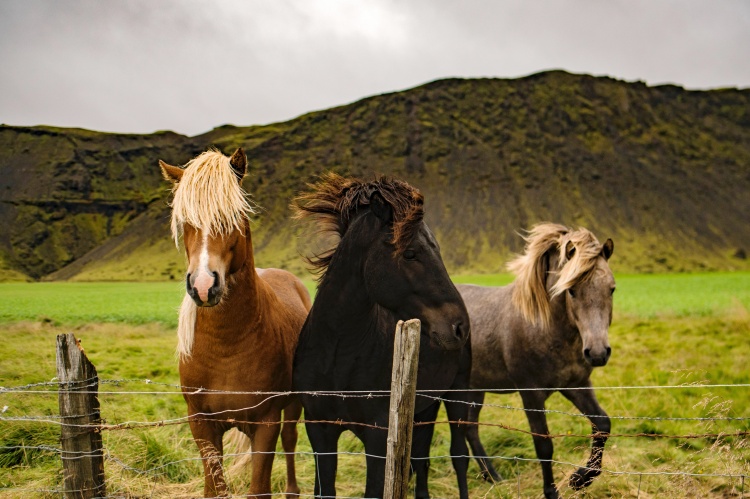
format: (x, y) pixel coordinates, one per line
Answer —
(598, 358)
(453, 340)
(214, 292)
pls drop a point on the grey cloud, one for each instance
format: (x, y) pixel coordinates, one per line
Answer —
(139, 66)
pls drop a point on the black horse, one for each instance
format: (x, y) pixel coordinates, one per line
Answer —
(385, 267)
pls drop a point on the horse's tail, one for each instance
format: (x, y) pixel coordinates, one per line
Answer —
(237, 444)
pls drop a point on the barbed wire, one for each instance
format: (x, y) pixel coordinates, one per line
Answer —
(589, 416)
(153, 472)
(92, 382)
(370, 395)
(98, 427)
(118, 461)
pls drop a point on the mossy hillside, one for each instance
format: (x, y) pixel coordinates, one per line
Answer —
(554, 147)
(66, 191)
(143, 252)
(661, 170)
(8, 274)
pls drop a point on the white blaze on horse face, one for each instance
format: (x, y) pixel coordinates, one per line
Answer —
(204, 278)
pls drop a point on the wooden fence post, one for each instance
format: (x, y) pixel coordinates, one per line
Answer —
(83, 461)
(401, 418)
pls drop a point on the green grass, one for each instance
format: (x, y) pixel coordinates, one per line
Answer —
(668, 330)
(651, 295)
(76, 303)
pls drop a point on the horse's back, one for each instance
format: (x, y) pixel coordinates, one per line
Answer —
(493, 320)
(488, 307)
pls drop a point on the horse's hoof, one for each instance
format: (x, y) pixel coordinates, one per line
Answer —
(583, 478)
(491, 476)
(551, 493)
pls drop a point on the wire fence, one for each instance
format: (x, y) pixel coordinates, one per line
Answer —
(149, 388)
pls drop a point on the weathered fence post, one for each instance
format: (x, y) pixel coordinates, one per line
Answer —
(401, 419)
(83, 461)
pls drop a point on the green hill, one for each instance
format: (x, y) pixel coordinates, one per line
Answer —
(663, 171)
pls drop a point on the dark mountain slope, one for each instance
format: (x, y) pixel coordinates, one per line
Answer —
(663, 171)
(65, 191)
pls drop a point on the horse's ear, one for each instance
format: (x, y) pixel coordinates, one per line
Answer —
(570, 250)
(608, 248)
(381, 208)
(239, 163)
(171, 173)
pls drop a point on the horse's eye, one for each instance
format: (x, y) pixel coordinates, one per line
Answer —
(571, 293)
(410, 254)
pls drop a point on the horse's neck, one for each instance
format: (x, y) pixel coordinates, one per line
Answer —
(242, 304)
(343, 337)
(346, 302)
(560, 323)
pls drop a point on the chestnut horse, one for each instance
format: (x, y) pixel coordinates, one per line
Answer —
(238, 325)
(386, 266)
(542, 333)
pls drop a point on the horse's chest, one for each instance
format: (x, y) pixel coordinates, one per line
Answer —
(236, 366)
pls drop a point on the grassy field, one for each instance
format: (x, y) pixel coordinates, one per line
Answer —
(668, 330)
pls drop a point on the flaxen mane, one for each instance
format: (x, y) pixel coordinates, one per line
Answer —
(334, 200)
(209, 197)
(530, 295)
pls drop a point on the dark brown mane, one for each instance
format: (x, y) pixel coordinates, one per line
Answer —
(333, 201)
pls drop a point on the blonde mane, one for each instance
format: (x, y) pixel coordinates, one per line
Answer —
(209, 197)
(530, 295)
(186, 328)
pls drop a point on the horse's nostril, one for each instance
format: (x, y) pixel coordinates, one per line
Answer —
(187, 283)
(457, 330)
(587, 353)
(609, 351)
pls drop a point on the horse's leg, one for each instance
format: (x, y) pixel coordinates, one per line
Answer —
(458, 410)
(376, 443)
(263, 440)
(289, 443)
(585, 401)
(533, 402)
(324, 438)
(476, 399)
(208, 438)
(420, 449)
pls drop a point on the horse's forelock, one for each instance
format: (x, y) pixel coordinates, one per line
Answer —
(407, 204)
(333, 202)
(209, 197)
(581, 264)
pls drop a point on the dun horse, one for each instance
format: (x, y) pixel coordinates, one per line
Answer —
(386, 266)
(545, 331)
(238, 325)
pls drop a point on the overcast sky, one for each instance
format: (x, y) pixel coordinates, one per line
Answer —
(191, 65)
